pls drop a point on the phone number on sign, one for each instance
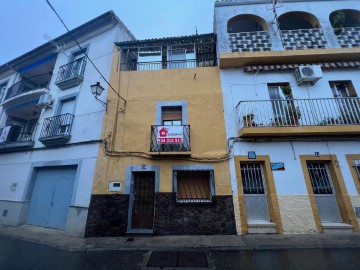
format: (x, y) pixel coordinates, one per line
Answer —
(170, 140)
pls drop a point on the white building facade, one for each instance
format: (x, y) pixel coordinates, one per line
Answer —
(50, 126)
(295, 165)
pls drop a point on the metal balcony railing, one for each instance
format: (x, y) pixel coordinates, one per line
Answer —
(18, 133)
(299, 112)
(57, 126)
(174, 64)
(28, 84)
(72, 70)
(156, 146)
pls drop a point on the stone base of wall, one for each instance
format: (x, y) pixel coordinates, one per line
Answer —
(108, 215)
(296, 214)
(172, 218)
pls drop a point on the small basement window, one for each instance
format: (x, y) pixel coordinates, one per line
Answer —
(194, 186)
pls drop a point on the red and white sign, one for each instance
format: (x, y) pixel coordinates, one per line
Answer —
(170, 134)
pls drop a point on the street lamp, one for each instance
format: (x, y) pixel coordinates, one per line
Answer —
(96, 90)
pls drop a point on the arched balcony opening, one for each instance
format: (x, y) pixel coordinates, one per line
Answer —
(346, 24)
(301, 31)
(248, 33)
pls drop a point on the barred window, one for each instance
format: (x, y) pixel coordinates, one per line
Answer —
(320, 178)
(356, 164)
(252, 178)
(194, 186)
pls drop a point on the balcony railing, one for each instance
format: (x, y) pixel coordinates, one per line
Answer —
(71, 75)
(299, 112)
(348, 37)
(19, 133)
(56, 130)
(28, 84)
(250, 41)
(19, 136)
(302, 39)
(175, 64)
(180, 144)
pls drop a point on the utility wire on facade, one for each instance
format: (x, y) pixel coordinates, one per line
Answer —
(86, 55)
(225, 157)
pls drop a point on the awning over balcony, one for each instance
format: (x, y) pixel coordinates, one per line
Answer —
(38, 63)
(331, 65)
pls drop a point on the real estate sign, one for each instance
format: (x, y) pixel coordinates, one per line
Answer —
(170, 134)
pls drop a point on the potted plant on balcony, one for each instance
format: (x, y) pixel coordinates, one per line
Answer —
(293, 115)
(328, 121)
(248, 120)
(287, 91)
(290, 117)
(338, 22)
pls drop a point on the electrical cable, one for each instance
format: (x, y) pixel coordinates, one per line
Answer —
(83, 51)
(141, 154)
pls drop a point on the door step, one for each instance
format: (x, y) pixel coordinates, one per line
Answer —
(261, 227)
(337, 227)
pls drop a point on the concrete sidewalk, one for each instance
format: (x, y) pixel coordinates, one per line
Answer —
(57, 239)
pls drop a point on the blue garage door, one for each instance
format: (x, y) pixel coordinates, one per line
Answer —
(51, 197)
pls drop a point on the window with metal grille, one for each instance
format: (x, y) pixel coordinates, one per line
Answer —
(193, 186)
(356, 164)
(252, 178)
(320, 179)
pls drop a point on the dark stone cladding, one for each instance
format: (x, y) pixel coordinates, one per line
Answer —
(107, 216)
(172, 218)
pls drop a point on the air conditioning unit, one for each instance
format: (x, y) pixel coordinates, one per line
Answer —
(45, 101)
(309, 74)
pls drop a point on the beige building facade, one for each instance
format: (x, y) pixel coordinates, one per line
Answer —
(165, 145)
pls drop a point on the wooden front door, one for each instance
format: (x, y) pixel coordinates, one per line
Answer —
(143, 200)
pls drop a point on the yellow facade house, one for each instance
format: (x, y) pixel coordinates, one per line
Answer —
(163, 168)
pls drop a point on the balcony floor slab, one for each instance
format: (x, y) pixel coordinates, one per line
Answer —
(16, 146)
(298, 131)
(174, 153)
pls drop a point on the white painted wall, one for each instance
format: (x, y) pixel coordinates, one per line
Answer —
(237, 85)
(320, 9)
(17, 167)
(240, 86)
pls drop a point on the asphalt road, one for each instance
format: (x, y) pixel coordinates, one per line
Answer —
(19, 254)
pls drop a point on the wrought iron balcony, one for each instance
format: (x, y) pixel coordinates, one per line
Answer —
(71, 75)
(250, 41)
(174, 64)
(28, 84)
(170, 143)
(56, 130)
(297, 117)
(17, 136)
(302, 39)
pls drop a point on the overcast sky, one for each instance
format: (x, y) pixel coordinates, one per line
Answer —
(23, 23)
